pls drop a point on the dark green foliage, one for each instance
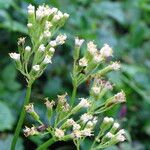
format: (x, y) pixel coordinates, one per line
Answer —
(122, 24)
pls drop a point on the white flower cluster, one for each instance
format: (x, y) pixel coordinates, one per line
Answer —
(84, 103)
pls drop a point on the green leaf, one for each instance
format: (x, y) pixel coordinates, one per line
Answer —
(6, 117)
(5, 3)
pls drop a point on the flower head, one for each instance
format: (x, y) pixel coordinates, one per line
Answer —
(91, 47)
(41, 48)
(84, 103)
(78, 42)
(15, 56)
(29, 108)
(28, 48)
(120, 97)
(31, 9)
(59, 133)
(83, 62)
(60, 39)
(106, 51)
(115, 66)
(76, 126)
(47, 59)
(87, 132)
(86, 117)
(49, 104)
(36, 67)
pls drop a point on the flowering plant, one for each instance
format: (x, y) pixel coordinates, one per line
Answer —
(62, 124)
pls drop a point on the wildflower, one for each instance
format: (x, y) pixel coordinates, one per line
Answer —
(87, 132)
(109, 135)
(62, 98)
(94, 120)
(56, 18)
(77, 134)
(47, 59)
(48, 25)
(15, 56)
(49, 104)
(115, 125)
(31, 9)
(52, 43)
(90, 124)
(28, 48)
(97, 57)
(83, 62)
(41, 48)
(76, 126)
(29, 25)
(84, 103)
(120, 97)
(66, 15)
(92, 48)
(21, 40)
(108, 120)
(115, 66)
(96, 90)
(108, 85)
(36, 68)
(47, 33)
(86, 117)
(78, 42)
(29, 108)
(52, 50)
(59, 133)
(106, 51)
(60, 39)
(120, 138)
(70, 122)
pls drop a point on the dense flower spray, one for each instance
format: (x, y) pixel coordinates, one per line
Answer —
(62, 124)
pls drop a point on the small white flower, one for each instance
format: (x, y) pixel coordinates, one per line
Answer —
(28, 48)
(31, 9)
(48, 25)
(59, 133)
(86, 117)
(122, 131)
(54, 10)
(49, 104)
(52, 43)
(108, 120)
(66, 15)
(15, 56)
(76, 126)
(29, 25)
(78, 42)
(115, 66)
(94, 120)
(97, 57)
(47, 33)
(106, 51)
(84, 103)
(77, 134)
(90, 124)
(47, 59)
(52, 50)
(60, 39)
(56, 18)
(36, 67)
(115, 125)
(108, 85)
(41, 48)
(91, 47)
(83, 62)
(120, 97)
(87, 132)
(109, 135)
(96, 90)
(29, 108)
(120, 138)
(60, 14)
(70, 122)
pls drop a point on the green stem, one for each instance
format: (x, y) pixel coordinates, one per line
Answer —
(73, 95)
(21, 119)
(46, 144)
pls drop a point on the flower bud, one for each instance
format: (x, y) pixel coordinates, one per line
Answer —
(83, 62)
(59, 133)
(106, 51)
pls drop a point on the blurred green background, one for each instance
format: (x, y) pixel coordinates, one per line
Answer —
(123, 24)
